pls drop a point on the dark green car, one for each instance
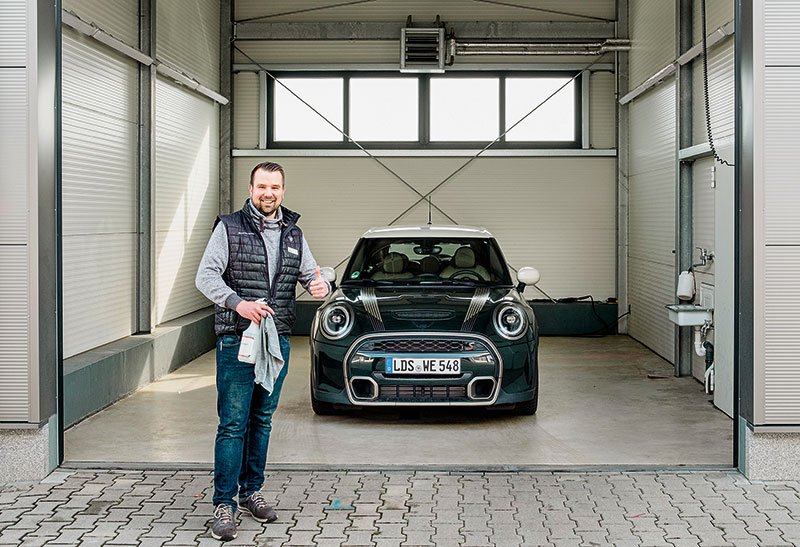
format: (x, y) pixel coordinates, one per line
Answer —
(426, 316)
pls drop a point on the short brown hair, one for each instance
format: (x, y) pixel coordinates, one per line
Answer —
(267, 166)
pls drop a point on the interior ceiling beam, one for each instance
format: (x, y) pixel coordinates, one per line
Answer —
(469, 30)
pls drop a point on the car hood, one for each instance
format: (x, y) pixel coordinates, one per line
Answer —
(425, 308)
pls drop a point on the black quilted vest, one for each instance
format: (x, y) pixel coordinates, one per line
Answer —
(247, 270)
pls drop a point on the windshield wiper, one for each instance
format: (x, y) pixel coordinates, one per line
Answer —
(466, 282)
(366, 281)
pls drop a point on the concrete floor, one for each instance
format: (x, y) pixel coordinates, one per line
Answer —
(602, 401)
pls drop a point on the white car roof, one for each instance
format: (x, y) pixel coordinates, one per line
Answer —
(427, 230)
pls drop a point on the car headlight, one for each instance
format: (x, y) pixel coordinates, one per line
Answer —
(510, 321)
(336, 321)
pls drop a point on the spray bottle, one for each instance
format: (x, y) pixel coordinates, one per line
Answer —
(250, 340)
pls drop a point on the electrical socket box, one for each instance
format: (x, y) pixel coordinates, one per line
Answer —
(706, 296)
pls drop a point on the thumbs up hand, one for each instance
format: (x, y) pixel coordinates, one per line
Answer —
(318, 288)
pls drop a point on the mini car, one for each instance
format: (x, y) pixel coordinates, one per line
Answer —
(426, 316)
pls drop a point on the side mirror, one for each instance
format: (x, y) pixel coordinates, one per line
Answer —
(527, 276)
(329, 274)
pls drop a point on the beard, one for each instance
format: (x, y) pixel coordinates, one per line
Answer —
(266, 208)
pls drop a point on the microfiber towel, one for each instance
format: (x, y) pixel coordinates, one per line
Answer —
(269, 360)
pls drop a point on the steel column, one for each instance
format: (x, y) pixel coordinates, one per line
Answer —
(145, 270)
(226, 110)
(623, 134)
(684, 190)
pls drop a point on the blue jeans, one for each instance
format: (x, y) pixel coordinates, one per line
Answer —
(245, 421)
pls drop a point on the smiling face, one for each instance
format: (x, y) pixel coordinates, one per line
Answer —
(266, 191)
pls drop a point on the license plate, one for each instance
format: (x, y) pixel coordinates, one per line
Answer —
(423, 365)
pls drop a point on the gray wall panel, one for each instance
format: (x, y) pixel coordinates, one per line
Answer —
(99, 140)
(720, 94)
(245, 110)
(96, 77)
(781, 143)
(718, 13)
(423, 10)
(602, 111)
(119, 18)
(781, 39)
(187, 194)
(650, 287)
(14, 350)
(781, 335)
(553, 213)
(13, 154)
(99, 289)
(651, 225)
(652, 31)
(703, 220)
(12, 33)
(321, 51)
(187, 38)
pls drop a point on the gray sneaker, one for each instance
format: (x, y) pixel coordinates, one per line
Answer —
(223, 527)
(258, 508)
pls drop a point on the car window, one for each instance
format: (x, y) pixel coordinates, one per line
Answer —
(427, 260)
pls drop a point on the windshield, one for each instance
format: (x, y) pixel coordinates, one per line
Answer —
(427, 261)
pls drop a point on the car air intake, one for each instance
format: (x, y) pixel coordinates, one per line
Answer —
(364, 388)
(481, 388)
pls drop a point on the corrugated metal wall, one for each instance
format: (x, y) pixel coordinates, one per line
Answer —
(651, 224)
(99, 193)
(187, 194)
(245, 110)
(781, 334)
(718, 13)
(553, 213)
(187, 153)
(14, 268)
(720, 93)
(652, 31)
(119, 18)
(602, 114)
(703, 222)
(187, 38)
(781, 226)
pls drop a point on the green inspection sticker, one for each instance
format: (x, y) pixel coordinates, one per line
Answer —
(355, 275)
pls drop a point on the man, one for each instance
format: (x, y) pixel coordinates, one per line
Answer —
(257, 252)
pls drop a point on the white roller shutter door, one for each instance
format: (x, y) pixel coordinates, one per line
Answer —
(99, 193)
(651, 224)
(187, 194)
(119, 18)
(187, 38)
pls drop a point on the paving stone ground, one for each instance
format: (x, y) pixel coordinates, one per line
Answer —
(420, 508)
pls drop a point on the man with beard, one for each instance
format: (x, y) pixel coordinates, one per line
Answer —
(258, 252)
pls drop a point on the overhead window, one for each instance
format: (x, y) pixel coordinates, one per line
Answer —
(458, 110)
(554, 120)
(384, 109)
(464, 109)
(295, 121)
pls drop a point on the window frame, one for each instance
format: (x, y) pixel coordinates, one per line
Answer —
(423, 141)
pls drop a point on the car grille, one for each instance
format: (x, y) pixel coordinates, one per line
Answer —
(397, 392)
(422, 345)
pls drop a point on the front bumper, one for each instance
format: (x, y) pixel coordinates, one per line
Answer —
(510, 377)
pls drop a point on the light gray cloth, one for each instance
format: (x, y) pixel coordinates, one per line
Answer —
(269, 359)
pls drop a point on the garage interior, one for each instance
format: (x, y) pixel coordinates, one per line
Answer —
(617, 209)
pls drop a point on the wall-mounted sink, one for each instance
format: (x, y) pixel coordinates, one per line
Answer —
(689, 315)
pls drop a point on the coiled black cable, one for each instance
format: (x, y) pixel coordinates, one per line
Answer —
(705, 89)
